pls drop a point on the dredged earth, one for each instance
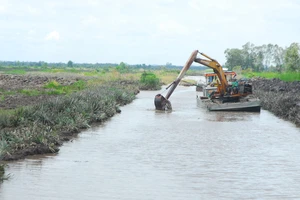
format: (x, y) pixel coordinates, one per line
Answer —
(279, 97)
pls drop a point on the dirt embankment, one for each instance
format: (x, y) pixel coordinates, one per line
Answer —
(279, 97)
(9, 84)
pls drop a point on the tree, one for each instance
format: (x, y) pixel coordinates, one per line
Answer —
(278, 56)
(257, 58)
(168, 64)
(234, 58)
(70, 63)
(292, 57)
(268, 54)
(122, 67)
(248, 55)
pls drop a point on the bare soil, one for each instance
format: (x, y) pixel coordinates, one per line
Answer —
(279, 97)
(13, 83)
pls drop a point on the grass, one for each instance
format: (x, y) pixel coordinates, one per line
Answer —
(192, 72)
(16, 71)
(286, 76)
(166, 76)
(96, 72)
(51, 88)
(55, 88)
(60, 70)
(30, 92)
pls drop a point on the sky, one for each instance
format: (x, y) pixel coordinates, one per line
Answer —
(141, 31)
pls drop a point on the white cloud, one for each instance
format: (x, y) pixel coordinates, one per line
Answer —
(32, 10)
(171, 27)
(31, 32)
(2, 9)
(156, 27)
(90, 20)
(54, 35)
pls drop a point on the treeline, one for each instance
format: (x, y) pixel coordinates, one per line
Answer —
(267, 57)
(56, 65)
(121, 66)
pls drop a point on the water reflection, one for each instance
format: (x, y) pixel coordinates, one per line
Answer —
(232, 116)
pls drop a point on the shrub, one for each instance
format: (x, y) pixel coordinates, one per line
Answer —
(149, 81)
(52, 84)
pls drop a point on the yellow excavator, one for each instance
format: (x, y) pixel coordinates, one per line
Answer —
(224, 91)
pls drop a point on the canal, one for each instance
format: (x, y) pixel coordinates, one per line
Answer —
(188, 153)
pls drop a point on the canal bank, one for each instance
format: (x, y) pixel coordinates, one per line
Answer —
(188, 153)
(279, 97)
(43, 127)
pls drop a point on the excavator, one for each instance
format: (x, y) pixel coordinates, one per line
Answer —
(224, 93)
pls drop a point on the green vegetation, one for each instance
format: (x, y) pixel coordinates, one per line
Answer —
(166, 76)
(264, 58)
(42, 125)
(55, 88)
(30, 92)
(123, 68)
(287, 76)
(149, 81)
(70, 63)
(292, 57)
(193, 72)
(16, 71)
(51, 88)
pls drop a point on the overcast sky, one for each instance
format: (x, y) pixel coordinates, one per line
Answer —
(141, 31)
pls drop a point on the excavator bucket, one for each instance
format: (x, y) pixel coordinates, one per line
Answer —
(161, 103)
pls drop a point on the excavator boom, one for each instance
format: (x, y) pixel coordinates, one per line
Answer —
(163, 103)
(217, 68)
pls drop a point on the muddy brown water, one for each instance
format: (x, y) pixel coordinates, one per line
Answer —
(188, 153)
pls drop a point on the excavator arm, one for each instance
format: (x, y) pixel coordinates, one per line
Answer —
(213, 64)
(182, 73)
(162, 103)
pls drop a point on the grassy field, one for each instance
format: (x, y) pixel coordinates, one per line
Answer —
(286, 76)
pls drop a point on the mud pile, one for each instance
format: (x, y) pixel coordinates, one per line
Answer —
(279, 97)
